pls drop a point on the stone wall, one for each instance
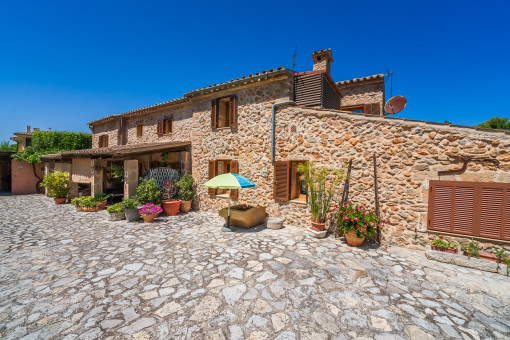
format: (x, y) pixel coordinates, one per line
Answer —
(181, 125)
(110, 128)
(409, 154)
(359, 94)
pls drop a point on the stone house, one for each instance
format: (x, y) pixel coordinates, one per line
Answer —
(264, 124)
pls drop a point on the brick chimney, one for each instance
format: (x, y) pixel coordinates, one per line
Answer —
(322, 60)
(29, 128)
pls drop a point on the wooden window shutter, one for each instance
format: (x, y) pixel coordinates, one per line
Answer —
(214, 108)
(170, 125)
(105, 141)
(234, 168)
(232, 119)
(372, 109)
(139, 129)
(281, 185)
(470, 208)
(212, 173)
(160, 128)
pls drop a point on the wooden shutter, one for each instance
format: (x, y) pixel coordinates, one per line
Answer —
(139, 129)
(470, 208)
(160, 128)
(212, 173)
(372, 109)
(281, 185)
(214, 110)
(234, 168)
(232, 119)
(103, 141)
(170, 125)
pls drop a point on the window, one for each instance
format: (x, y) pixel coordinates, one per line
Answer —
(288, 184)
(165, 126)
(139, 129)
(28, 141)
(103, 141)
(219, 167)
(223, 112)
(369, 109)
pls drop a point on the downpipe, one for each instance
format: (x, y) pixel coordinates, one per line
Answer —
(273, 125)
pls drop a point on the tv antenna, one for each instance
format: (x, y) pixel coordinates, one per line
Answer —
(294, 61)
(390, 74)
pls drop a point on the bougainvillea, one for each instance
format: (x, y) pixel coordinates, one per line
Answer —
(150, 209)
(349, 217)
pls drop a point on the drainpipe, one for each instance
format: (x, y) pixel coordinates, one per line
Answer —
(273, 125)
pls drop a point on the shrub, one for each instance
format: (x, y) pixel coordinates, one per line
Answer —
(187, 189)
(58, 184)
(150, 209)
(364, 222)
(148, 192)
(129, 203)
(76, 201)
(115, 208)
(101, 197)
(89, 202)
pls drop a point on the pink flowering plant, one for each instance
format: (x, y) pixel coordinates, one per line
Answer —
(349, 217)
(150, 209)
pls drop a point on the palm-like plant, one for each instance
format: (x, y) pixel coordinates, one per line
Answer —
(322, 184)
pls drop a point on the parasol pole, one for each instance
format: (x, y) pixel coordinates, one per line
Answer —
(228, 215)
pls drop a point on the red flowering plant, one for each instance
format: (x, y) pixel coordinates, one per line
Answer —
(349, 217)
(150, 209)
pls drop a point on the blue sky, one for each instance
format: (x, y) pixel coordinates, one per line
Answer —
(65, 63)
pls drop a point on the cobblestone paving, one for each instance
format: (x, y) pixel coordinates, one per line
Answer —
(75, 275)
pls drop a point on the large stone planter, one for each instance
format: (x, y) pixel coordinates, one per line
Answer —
(132, 215)
(116, 216)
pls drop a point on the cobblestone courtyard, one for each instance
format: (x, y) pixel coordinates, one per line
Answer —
(75, 275)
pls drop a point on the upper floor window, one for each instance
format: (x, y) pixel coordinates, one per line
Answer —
(28, 142)
(369, 109)
(103, 141)
(165, 126)
(223, 112)
(139, 129)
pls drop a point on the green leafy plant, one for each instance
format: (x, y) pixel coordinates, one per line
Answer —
(46, 142)
(115, 208)
(76, 201)
(440, 243)
(5, 146)
(118, 172)
(101, 197)
(89, 202)
(148, 192)
(472, 249)
(452, 245)
(496, 123)
(501, 255)
(129, 203)
(322, 184)
(187, 188)
(58, 184)
(364, 222)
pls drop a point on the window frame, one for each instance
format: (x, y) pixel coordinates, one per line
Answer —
(213, 171)
(139, 129)
(231, 114)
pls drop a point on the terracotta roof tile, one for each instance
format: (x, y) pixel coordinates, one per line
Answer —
(358, 80)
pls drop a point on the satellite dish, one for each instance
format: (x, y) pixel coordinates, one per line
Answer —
(395, 105)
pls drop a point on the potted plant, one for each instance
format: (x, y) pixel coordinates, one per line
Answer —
(442, 245)
(116, 212)
(187, 191)
(148, 192)
(170, 205)
(130, 206)
(101, 199)
(89, 204)
(149, 212)
(501, 255)
(58, 184)
(356, 223)
(76, 202)
(321, 185)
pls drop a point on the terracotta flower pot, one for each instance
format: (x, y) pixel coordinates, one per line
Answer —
(318, 226)
(171, 207)
(87, 209)
(185, 206)
(485, 256)
(102, 205)
(132, 215)
(447, 250)
(60, 200)
(353, 240)
(116, 216)
(149, 218)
